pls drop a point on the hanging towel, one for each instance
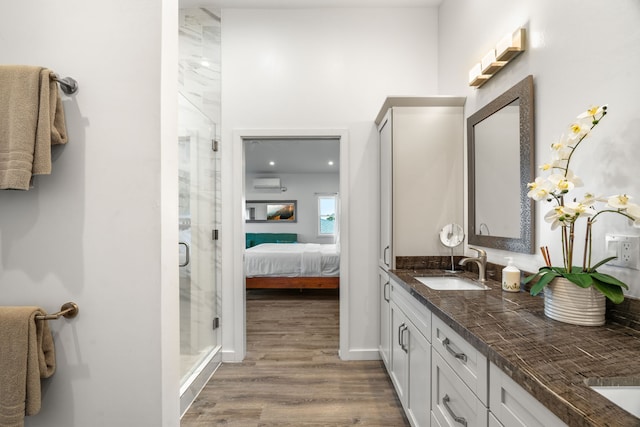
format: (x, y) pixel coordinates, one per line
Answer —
(31, 121)
(26, 355)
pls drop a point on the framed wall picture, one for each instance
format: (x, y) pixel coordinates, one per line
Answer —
(284, 211)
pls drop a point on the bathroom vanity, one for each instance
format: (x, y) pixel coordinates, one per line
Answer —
(490, 358)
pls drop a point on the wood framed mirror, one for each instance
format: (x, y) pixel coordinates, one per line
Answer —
(500, 138)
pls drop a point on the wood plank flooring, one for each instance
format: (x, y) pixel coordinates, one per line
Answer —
(292, 375)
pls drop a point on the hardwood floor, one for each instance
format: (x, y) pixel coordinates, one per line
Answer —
(292, 375)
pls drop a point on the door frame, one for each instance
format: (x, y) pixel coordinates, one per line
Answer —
(238, 327)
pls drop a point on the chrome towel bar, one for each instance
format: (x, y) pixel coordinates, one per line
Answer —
(68, 310)
(68, 85)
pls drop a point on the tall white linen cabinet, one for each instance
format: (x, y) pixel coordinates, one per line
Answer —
(421, 190)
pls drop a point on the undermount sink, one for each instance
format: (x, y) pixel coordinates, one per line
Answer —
(451, 283)
(624, 392)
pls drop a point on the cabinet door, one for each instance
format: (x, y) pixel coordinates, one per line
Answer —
(419, 398)
(385, 249)
(399, 353)
(385, 316)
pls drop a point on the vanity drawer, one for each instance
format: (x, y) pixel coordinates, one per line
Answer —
(514, 406)
(470, 365)
(452, 402)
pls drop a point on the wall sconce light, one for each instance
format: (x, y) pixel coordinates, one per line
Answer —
(507, 48)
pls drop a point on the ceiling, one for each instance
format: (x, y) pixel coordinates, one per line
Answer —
(305, 4)
(292, 155)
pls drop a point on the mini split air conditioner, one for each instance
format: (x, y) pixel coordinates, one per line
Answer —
(267, 184)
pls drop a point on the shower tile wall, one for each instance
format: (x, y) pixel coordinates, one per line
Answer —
(199, 82)
(199, 72)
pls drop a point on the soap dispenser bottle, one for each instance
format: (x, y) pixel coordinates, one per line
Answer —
(510, 277)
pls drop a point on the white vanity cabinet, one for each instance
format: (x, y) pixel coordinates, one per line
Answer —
(410, 364)
(421, 151)
(441, 379)
(511, 405)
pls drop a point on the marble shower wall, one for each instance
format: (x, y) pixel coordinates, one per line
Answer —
(199, 60)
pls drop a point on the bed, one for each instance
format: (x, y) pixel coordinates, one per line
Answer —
(275, 261)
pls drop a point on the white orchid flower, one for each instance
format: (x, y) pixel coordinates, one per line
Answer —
(633, 210)
(579, 129)
(563, 184)
(593, 112)
(560, 150)
(619, 201)
(591, 199)
(557, 217)
(577, 209)
(540, 189)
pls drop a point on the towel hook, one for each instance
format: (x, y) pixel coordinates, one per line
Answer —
(68, 310)
(68, 85)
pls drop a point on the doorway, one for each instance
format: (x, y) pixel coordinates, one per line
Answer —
(293, 186)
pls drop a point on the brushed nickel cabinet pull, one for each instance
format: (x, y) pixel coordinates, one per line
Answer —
(445, 402)
(455, 354)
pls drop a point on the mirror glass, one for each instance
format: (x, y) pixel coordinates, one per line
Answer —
(500, 142)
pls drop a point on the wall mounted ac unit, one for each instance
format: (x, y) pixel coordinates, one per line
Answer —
(267, 184)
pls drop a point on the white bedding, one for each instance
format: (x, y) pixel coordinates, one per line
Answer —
(292, 260)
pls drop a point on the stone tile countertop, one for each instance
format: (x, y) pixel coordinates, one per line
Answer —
(553, 361)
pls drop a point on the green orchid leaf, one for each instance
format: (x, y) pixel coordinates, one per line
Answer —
(542, 270)
(605, 278)
(580, 279)
(544, 281)
(612, 292)
(603, 262)
(530, 278)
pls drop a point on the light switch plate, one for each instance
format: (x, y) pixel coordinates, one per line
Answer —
(625, 248)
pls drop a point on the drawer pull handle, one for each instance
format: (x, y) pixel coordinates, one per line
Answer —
(384, 292)
(402, 343)
(445, 402)
(400, 336)
(454, 353)
(384, 256)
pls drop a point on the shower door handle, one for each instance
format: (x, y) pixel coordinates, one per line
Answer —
(187, 254)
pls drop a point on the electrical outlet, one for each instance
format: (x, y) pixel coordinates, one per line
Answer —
(625, 248)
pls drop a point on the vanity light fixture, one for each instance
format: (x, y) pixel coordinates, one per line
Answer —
(507, 48)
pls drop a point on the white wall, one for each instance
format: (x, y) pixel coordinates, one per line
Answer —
(302, 187)
(102, 229)
(322, 68)
(580, 53)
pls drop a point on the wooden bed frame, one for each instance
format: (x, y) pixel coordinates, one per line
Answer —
(292, 282)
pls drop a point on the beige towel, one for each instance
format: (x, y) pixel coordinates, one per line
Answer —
(26, 355)
(31, 121)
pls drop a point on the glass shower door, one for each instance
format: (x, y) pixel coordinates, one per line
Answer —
(199, 335)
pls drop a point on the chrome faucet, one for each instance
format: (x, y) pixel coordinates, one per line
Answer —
(481, 260)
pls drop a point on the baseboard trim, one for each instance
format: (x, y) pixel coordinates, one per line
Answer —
(360, 354)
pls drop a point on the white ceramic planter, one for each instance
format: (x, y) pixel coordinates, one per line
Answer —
(567, 302)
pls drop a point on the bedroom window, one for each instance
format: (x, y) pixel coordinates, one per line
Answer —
(327, 215)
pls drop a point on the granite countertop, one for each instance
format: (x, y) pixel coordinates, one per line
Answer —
(551, 360)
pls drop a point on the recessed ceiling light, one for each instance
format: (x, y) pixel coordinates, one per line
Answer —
(272, 163)
(330, 162)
